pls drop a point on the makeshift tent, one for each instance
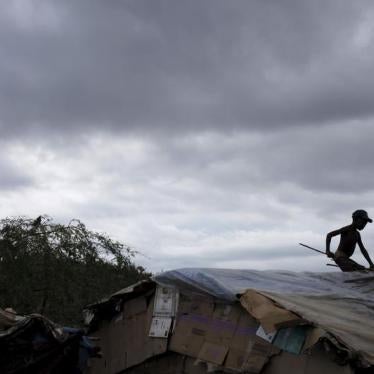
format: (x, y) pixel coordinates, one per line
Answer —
(204, 320)
(34, 345)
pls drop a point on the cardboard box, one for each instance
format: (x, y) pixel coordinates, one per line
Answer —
(223, 335)
(126, 343)
(237, 357)
(135, 306)
(271, 316)
(259, 355)
(99, 365)
(214, 353)
(223, 324)
(138, 345)
(192, 326)
(199, 321)
(242, 341)
(195, 305)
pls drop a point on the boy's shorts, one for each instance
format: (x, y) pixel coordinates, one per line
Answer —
(346, 264)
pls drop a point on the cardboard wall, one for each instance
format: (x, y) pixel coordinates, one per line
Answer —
(222, 334)
(125, 341)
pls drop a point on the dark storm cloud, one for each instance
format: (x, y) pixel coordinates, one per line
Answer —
(336, 158)
(179, 65)
(196, 130)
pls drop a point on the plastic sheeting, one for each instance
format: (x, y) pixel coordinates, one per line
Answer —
(225, 284)
(341, 303)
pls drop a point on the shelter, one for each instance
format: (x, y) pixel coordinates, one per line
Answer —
(237, 321)
(34, 345)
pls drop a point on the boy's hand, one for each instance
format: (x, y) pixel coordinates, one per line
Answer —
(330, 254)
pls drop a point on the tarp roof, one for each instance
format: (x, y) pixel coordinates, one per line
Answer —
(341, 303)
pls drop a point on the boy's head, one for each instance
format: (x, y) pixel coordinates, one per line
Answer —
(360, 218)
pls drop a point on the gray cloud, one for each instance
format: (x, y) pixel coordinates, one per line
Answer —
(12, 179)
(203, 133)
(12, 176)
(147, 66)
(177, 213)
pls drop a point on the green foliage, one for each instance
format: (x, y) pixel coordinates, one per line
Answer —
(56, 270)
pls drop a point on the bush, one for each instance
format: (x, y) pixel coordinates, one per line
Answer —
(56, 270)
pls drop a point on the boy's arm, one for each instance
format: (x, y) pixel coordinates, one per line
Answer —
(331, 235)
(364, 251)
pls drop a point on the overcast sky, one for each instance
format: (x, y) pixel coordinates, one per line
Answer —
(205, 133)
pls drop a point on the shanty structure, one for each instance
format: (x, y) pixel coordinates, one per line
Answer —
(199, 321)
(34, 345)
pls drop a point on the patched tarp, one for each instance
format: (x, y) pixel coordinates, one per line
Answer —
(341, 303)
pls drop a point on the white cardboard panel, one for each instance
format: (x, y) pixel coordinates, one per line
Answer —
(160, 327)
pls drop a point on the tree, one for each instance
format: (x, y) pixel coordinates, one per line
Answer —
(56, 269)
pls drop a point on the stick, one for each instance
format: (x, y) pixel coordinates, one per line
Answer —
(313, 249)
(332, 265)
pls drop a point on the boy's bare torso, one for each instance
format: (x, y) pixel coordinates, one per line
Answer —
(349, 237)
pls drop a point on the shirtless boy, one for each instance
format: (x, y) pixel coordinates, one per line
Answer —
(349, 237)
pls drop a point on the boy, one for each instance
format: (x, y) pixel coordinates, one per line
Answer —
(349, 237)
